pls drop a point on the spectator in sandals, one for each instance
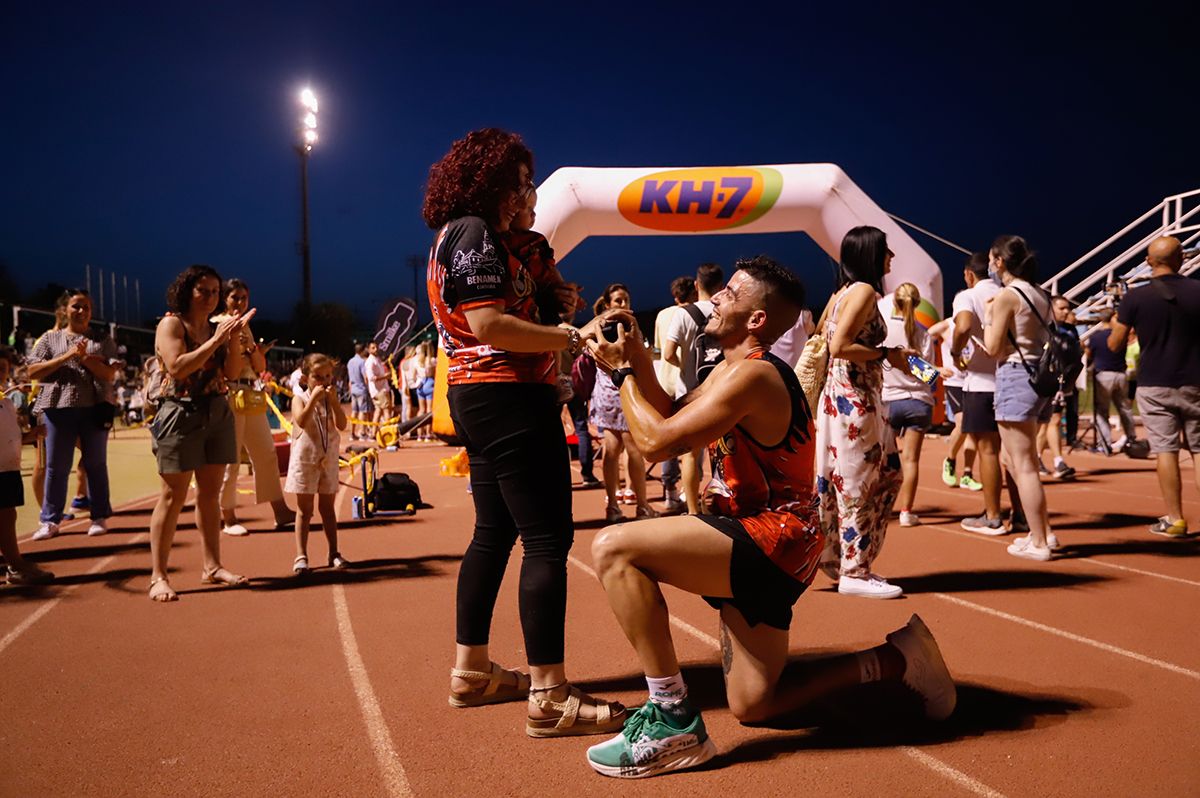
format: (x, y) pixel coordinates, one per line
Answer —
(75, 373)
(502, 376)
(1015, 333)
(251, 429)
(193, 432)
(1165, 315)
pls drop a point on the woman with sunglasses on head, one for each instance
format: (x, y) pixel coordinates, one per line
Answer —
(76, 374)
(502, 380)
(251, 430)
(193, 431)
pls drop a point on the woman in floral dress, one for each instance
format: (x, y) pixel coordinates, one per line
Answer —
(858, 470)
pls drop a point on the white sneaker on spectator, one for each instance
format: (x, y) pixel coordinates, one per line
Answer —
(236, 530)
(1119, 443)
(870, 586)
(99, 526)
(47, 530)
(909, 519)
(1051, 541)
(1025, 549)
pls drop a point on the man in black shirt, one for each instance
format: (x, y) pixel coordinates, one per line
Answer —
(1166, 315)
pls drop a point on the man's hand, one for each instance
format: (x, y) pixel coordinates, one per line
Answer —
(610, 355)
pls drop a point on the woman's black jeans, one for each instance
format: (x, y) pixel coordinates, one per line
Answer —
(521, 483)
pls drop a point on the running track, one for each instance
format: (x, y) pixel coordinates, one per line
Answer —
(1080, 677)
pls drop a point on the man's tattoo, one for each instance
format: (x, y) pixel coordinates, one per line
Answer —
(726, 651)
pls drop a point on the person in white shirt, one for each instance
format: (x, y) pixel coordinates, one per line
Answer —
(791, 343)
(683, 291)
(943, 333)
(677, 351)
(378, 385)
(908, 400)
(979, 388)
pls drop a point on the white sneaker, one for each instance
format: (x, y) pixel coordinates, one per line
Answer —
(870, 586)
(1119, 444)
(47, 530)
(235, 530)
(1024, 549)
(99, 526)
(909, 519)
(924, 669)
(1051, 541)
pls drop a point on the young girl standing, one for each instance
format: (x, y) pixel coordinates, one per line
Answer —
(317, 418)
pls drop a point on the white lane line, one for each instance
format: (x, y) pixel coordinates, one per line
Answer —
(999, 540)
(1041, 627)
(41, 611)
(931, 762)
(955, 775)
(381, 740)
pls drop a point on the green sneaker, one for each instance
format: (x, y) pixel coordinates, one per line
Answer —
(948, 476)
(967, 482)
(654, 741)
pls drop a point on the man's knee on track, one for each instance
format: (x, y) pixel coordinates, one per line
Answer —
(750, 704)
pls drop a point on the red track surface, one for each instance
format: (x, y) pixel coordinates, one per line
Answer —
(1077, 677)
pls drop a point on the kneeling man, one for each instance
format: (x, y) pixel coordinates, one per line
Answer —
(755, 551)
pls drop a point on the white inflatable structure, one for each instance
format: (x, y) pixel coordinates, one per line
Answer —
(818, 199)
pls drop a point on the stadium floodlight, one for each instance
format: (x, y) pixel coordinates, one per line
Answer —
(304, 144)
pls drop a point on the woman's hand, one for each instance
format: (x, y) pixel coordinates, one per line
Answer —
(897, 356)
(79, 351)
(234, 323)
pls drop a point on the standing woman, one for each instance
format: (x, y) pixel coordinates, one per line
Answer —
(251, 430)
(502, 401)
(607, 416)
(858, 472)
(75, 374)
(424, 374)
(909, 400)
(1015, 333)
(193, 432)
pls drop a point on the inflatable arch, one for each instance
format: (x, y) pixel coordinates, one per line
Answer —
(817, 199)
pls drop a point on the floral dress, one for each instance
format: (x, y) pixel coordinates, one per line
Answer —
(858, 471)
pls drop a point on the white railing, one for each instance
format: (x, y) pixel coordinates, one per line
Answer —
(1177, 219)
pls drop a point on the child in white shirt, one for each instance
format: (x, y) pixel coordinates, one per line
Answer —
(17, 570)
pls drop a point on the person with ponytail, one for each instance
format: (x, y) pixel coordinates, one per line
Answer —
(858, 471)
(1015, 333)
(909, 400)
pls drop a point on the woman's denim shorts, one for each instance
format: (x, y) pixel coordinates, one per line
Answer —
(1016, 401)
(910, 414)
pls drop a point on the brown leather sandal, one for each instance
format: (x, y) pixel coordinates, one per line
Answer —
(500, 687)
(610, 715)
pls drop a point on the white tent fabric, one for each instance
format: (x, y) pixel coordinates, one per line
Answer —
(818, 199)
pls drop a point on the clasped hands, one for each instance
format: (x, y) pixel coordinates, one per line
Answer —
(610, 355)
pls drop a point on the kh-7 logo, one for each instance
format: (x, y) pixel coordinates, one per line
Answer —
(700, 200)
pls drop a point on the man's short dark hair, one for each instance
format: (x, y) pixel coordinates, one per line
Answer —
(359, 349)
(784, 294)
(682, 288)
(710, 278)
(977, 264)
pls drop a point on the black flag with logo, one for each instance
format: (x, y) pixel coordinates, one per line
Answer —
(396, 322)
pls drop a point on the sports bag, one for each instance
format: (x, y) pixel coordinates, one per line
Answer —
(1060, 361)
(397, 491)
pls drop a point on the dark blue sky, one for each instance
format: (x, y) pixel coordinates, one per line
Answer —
(143, 137)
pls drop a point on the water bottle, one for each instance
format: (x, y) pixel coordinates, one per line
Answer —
(356, 507)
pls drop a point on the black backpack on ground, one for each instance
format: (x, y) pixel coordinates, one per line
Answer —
(397, 491)
(1060, 362)
(706, 352)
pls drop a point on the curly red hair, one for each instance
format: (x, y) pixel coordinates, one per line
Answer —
(474, 177)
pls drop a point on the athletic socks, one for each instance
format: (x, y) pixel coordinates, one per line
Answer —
(667, 690)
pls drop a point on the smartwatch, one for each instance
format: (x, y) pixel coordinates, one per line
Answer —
(619, 375)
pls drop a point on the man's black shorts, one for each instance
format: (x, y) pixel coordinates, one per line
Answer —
(762, 591)
(979, 412)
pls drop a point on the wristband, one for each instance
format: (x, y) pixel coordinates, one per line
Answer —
(574, 341)
(619, 375)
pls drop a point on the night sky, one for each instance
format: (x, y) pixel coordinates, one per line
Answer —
(144, 137)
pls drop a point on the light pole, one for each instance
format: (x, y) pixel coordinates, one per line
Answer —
(308, 137)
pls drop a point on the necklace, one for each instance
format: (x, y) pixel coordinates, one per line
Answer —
(322, 423)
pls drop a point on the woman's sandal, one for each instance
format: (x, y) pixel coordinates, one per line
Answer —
(300, 565)
(161, 591)
(500, 687)
(222, 576)
(610, 715)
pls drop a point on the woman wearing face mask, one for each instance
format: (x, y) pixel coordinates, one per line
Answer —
(249, 405)
(76, 374)
(1015, 333)
(858, 470)
(193, 432)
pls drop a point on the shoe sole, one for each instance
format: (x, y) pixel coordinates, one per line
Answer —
(1029, 554)
(533, 728)
(1161, 534)
(933, 655)
(681, 760)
